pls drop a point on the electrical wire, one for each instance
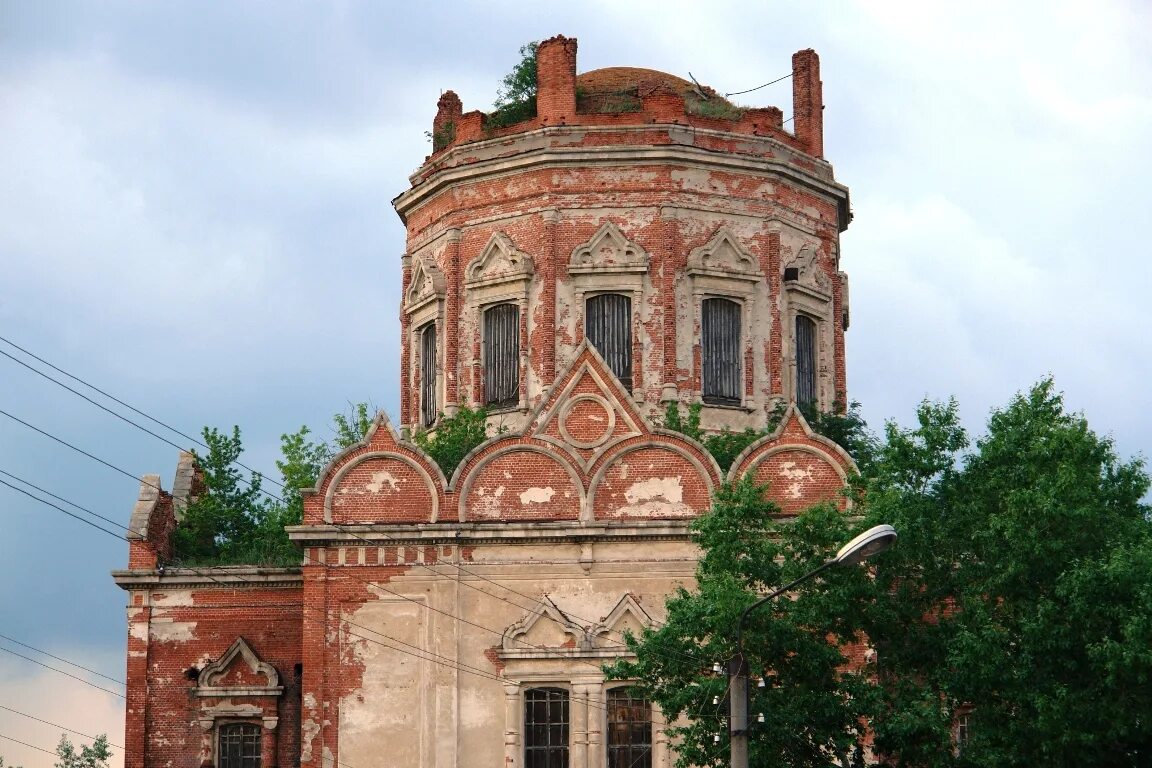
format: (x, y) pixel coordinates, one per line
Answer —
(126, 473)
(60, 658)
(30, 746)
(427, 655)
(114, 399)
(737, 93)
(56, 725)
(534, 602)
(66, 674)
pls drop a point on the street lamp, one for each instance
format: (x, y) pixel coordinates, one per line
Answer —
(860, 548)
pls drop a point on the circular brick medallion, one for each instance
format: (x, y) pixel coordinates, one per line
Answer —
(587, 421)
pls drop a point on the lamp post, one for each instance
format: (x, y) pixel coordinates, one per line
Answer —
(863, 546)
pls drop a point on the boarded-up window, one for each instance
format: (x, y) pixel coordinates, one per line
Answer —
(428, 409)
(629, 730)
(608, 325)
(502, 355)
(546, 728)
(238, 746)
(720, 342)
(805, 361)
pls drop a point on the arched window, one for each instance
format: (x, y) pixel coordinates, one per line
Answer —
(629, 730)
(546, 728)
(608, 325)
(238, 746)
(720, 351)
(428, 409)
(805, 361)
(502, 355)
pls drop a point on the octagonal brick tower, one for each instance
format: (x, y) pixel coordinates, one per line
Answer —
(695, 244)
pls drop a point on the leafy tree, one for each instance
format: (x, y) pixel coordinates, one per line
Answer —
(351, 427)
(223, 523)
(454, 437)
(814, 705)
(1021, 590)
(1019, 595)
(516, 97)
(2, 763)
(233, 521)
(94, 756)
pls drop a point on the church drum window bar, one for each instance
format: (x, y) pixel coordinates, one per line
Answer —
(608, 325)
(502, 355)
(428, 408)
(238, 746)
(629, 730)
(805, 361)
(546, 728)
(720, 323)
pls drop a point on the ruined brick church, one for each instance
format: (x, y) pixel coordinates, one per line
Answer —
(639, 241)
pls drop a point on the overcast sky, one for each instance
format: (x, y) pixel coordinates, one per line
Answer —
(195, 216)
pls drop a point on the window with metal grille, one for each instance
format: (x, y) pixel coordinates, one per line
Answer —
(546, 728)
(502, 355)
(629, 730)
(428, 409)
(720, 321)
(608, 325)
(805, 360)
(238, 746)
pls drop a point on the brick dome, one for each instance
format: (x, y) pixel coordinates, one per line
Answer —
(640, 82)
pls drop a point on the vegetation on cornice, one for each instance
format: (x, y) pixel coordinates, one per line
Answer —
(844, 426)
(516, 97)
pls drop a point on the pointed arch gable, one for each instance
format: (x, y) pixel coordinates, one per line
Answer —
(499, 261)
(213, 674)
(723, 255)
(627, 612)
(514, 642)
(427, 283)
(608, 251)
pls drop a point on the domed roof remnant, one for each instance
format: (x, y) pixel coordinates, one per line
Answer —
(621, 89)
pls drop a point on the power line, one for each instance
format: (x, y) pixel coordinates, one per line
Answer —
(58, 658)
(57, 725)
(70, 514)
(81, 519)
(66, 674)
(534, 602)
(737, 93)
(30, 746)
(421, 653)
(115, 400)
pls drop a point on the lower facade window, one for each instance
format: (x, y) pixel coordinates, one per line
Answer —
(629, 730)
(546, 728)
(238, 746)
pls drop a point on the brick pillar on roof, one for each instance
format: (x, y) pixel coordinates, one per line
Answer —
(556, 80)
(808, 101)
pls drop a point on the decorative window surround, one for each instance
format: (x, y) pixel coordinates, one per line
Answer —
(222, 703)
(499, 274)
(807, 290)
(424, 303)
(611, 263)
(722, 268)
(537, 651)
